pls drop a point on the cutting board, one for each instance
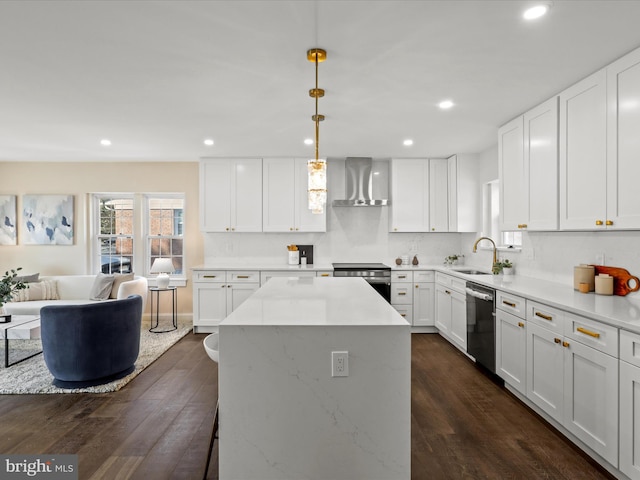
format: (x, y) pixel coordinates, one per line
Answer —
(623, 281)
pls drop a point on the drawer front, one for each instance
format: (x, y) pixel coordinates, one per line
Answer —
(546, 316)
(511, 303)
(406, 312)
(443, 279)
(402, 277)
(243, 277)
(630, 347)
(213, 276)
(458, 284)
(402, 294)
(424, 277)
(267, 274)
(589, 332)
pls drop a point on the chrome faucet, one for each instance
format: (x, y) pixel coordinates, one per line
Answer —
(495, 256)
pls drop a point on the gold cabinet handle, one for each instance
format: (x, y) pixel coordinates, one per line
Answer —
(447, 292)
(402, 276)
(209, 276)
(243, 276)
(509, 304)
(565, 344)
(609, 222)
(598, 222)
(588, 332)
(401, 293)
(542, 315)
(522, 225)
(324, 274)
(521, 324)
(557, 340)
(403, 314)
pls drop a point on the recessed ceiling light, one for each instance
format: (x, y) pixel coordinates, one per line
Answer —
(536, 11)
(408, 142)
(445, 104)
(208, 142)
(308, 141)
(105, 142)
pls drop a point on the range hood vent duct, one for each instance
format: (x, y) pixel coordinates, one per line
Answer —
(358, 182)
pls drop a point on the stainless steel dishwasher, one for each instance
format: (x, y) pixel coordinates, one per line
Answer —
(481, 325)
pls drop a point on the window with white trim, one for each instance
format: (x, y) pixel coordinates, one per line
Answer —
(114, 246)
(491, 218)
(164, 230)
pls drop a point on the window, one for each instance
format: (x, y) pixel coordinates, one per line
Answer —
(164, 230)
(491, 218)
(114, 241)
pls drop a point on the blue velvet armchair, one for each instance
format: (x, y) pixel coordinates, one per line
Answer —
(91, 344)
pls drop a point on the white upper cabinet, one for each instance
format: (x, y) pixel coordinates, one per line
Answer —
(231, 195)
(541, 163)
(514, 188)
(464, 193)
(409, 210)
(623, 142)
(438, 195)
(285, 199)
(583, 154)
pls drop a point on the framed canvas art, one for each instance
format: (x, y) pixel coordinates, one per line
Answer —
(47, 220)
(8, 215)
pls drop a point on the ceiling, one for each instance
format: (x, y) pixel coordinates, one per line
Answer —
(158, 77)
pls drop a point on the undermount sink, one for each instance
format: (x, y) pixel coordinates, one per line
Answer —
(470, 271)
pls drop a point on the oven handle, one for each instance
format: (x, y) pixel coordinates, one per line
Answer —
(380, 281)
(482, 296)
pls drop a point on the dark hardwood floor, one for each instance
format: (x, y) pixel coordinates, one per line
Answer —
(158, 426)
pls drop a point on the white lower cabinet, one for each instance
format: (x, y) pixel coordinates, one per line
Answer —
(218, 293)
(630, 404)
(511, 348)
(451, 309)
(423, 297)
(572, 382)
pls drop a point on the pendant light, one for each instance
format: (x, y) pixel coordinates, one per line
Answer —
(317, 168)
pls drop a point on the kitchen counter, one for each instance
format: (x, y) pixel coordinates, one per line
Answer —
(283, 415)
(621, 312)
(266, 266)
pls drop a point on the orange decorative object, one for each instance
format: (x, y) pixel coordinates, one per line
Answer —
(621, 279)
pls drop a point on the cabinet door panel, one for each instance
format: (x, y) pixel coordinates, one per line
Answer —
(511, 342)
(591, 399)
(246, 198)
(215, 196)
(583, 112)
(238, 293)
(279, 190)
(623, 124)
(409, 210)
(513, 183)
(443, 308)
(545, 372)
(209, 304)
(423, 308)
(438, 195)
(630, 420)
(541, 159)
(458, 329)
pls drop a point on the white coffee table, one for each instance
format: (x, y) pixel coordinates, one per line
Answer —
(21, 327)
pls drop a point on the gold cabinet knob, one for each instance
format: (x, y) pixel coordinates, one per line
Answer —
(521, 324)
(290, 228)
(598, 222)
(565, 344)
(417, 286)
(557, 340)
(433, 229)
(395, 229)
(297, 229)
(609, 222)
(227, 229)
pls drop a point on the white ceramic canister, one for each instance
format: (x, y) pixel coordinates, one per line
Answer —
(294, 257)
(604, 284)
(584, 274)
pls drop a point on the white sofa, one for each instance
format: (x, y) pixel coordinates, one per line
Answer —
(75, 290)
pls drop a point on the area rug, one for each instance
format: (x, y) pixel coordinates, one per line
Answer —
(32, 376)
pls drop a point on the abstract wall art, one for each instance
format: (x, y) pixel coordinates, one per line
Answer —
(47, 220)
(8, 215)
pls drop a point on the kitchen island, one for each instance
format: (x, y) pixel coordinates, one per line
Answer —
(282, 413)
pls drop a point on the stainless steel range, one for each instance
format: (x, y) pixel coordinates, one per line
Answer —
(378, 275)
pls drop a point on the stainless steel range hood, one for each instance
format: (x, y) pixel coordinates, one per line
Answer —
(358, 183)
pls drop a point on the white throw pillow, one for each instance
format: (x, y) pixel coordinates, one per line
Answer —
(101, 288)
(44, 290)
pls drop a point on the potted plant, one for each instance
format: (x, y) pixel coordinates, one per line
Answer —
(9, 285)
(455, 259)
(507, 267)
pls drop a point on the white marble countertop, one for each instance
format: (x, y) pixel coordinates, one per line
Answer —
(315, 301)
(264, 266)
